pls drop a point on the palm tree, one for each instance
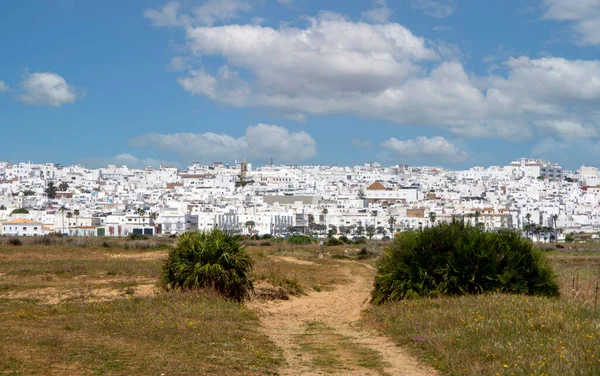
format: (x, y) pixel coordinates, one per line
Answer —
(76, 214)
(311, 222)
(69, 216)
(324, 213)
(141, 212)
(63, 186)
(210, 259)
(528, 217)
(392, 222)
(374, 214)
(153, 216)
(62, 209)
(51, 190)
(432, 217)
(554, 220)
(477, 215)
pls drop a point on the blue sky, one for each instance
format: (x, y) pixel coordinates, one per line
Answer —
(439, 82)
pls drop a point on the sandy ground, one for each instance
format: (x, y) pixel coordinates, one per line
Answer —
(341, 310)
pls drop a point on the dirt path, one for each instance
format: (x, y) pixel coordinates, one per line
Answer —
(339, 311)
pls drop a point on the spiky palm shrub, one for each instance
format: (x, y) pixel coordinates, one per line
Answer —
(212, 259)
(458, 259)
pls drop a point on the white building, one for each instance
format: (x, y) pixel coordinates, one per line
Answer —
(22, 227)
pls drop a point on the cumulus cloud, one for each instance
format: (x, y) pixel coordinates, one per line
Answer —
(3, 87)
(584, 15)
(383, 71)
(437, 9)
(566, 129)
(209, 13)
(123, 160)
(47, 89)
(435, 149)
(260, 142)
(167, 16)
(380, 13)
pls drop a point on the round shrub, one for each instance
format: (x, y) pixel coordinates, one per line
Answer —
(212, 259)
(300, 239)
(360, 240)
(458, 259)
(345, 239)
(333, 242)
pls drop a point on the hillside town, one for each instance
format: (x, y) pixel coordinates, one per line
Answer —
(532, 195)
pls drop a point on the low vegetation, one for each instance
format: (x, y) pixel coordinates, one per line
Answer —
(458, 259)
(211, 259)
(506, 334)
(65, 310)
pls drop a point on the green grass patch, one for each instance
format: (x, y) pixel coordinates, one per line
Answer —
(495, 334)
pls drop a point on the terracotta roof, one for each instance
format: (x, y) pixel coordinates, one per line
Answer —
(377, 186)
(21, 221)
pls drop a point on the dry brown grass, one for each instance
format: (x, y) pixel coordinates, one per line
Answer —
(96, 310)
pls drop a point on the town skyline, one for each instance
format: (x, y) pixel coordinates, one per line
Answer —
(449, 83)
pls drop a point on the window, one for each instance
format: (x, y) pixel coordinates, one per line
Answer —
(35, 228)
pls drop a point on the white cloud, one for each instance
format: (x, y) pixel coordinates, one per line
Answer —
(3, 87)
(437, 9)
(383, 71)
(287, 3)
(583, 14)
(436, 149)
(179, 63)
(566, 129)
(168, 16)
(46, 89)
(261, 142)
(123, 160)
(220, 10)
(380, 13)
(209, 13)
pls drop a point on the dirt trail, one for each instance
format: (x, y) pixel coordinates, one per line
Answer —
(339, 309)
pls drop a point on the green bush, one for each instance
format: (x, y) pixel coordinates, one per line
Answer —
(569, 238)
(133, 236)
(212, 259)
(360, 240)
(333, 242)
(300, 239)
(345, 239)
(458, 259)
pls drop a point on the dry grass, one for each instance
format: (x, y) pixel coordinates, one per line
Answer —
(70, 310)
(333, 353)
(505, 334)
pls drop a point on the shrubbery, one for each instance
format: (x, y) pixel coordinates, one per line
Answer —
(458, 259)
(299, 239)
(330, 242)
(345, 239)
(211, 259)
(360, 240)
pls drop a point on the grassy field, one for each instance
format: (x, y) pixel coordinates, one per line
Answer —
(505, 334)
(91, 306)
(96, 310)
